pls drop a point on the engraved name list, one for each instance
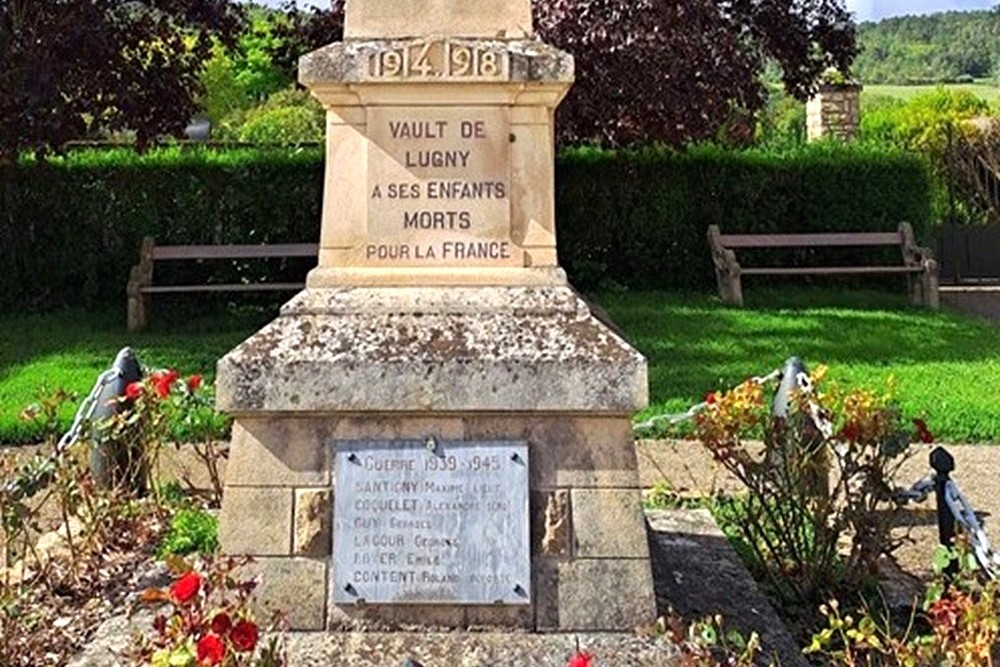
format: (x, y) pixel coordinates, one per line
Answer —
(413, 525)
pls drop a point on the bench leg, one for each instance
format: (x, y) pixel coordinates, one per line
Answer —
(730, 285)
(731, 289)
(138, 310)
(929, 286)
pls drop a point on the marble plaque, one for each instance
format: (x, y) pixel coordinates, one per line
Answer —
(431, 522)
(438, 188)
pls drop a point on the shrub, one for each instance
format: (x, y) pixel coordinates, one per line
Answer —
(209, 622)
(783, 123)
(922, 123)
(639, 218)
(191, 531)
(289, 117)
(824, 472)
(70, 228)
(956, 625)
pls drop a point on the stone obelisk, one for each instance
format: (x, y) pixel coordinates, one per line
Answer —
(437, 430)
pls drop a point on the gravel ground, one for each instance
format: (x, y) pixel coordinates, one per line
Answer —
(688, 469)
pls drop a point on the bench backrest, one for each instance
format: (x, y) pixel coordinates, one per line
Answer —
(179, 252)
(841, 239)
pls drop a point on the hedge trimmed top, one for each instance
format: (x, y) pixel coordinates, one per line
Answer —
(71, 228)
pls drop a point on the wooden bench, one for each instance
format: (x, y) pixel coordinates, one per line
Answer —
(141, 287)
(917, 264)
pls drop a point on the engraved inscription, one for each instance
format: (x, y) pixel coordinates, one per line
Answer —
(418, 526)
(440, 59)
(439, 188)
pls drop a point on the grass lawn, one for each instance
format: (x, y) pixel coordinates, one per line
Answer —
(41, 353)
(947, 366)
(985, 89)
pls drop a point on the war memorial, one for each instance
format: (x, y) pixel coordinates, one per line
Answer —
(436, 432)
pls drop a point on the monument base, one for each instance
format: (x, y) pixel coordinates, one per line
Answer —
(527, 364)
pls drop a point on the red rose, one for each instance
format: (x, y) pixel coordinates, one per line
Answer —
(211, 650)
(221, 623)
(580, 660)
(244, 635)
(922, 432)
(162, 382)
(193, 383)
(709, 400)
(185, 588)
(133, 390)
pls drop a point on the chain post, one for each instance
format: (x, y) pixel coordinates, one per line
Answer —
(943, 464)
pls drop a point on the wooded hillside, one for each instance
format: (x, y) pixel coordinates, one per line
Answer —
(944, 47)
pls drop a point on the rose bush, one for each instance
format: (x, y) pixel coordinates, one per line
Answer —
(165, 410)
(209, 621)
(811, 480)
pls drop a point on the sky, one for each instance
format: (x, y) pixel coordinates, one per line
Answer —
(873, 10)
(864, 10)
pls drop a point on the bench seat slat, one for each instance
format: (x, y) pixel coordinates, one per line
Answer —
(173, 252)
(810, 240)
(243, 287)
(828, 270)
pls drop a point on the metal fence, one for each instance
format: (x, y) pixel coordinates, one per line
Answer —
(968, 254)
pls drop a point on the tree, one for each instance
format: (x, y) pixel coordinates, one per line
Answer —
(676, 71)
(671, 71)
(68, 67)
(305, 31)
(941, 47)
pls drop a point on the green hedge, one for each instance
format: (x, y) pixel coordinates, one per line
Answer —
(70, 229)
(639, 219)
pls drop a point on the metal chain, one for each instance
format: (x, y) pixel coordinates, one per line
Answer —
(964, 515)
(918, 492)
(816, 413)
(83, 415)
(86, 410)
(678, 417)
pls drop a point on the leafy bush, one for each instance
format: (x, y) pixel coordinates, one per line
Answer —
(928, 124)
(287, 117)
(633, 218)
(210, 620)
(824, 472)
(956, 625)
(70, 229)
(783, 123)
(191, 531)
(922, 123)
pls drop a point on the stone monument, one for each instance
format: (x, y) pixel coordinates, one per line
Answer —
(436, 432)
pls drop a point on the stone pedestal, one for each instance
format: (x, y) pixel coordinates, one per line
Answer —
(438, 312)
(522, 363)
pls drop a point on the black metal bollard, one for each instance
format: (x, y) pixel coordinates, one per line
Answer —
(943, 465)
